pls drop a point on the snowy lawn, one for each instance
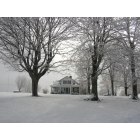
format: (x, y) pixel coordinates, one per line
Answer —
(22, 108)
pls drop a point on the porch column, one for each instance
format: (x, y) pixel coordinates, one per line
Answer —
(70, 89)
(51, 89)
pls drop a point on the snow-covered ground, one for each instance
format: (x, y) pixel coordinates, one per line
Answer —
(21, 107)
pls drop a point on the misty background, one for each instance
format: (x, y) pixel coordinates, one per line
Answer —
(8, 78)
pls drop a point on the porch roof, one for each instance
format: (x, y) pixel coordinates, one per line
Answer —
(65, 86)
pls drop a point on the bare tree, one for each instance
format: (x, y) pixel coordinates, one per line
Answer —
(94, 34)
(28, 86)
(118, 62)
(30, 44)
(83, 67)
(111, 71)
(105, 85)
(123, 68)
(20, 82)
(128, 34)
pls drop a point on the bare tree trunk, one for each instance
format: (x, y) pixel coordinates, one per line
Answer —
(125, 88)
(88, 85)
(94, 88)
(94, 75)
(35, 86)
(125, 91)
(108, 92)
(94, 82)
(134, 79)
(112, 86)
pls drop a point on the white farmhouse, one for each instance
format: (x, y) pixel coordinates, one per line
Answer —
(65, 86)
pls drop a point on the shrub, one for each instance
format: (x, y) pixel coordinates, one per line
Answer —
(45, 91)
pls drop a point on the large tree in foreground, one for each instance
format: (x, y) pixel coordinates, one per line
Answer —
(95, 34)
(30, 44)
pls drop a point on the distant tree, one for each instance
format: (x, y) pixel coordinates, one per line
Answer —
(105, 85)
(118, 70)
(30, 44)
(83, 68)
(20, 82)
(28, 86)
(123, 69)
(83, 87)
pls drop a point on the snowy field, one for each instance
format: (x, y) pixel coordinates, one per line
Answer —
(22, 108)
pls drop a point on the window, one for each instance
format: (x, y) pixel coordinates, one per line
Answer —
(76, 89)
(66, 82)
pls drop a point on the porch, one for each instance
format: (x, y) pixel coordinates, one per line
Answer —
(64, 90)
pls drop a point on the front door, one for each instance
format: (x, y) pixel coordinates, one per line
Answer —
(67, 90)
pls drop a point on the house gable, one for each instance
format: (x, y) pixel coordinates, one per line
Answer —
(67, 81)
(65, 85)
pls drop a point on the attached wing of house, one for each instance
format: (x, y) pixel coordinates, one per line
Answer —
(65, 86)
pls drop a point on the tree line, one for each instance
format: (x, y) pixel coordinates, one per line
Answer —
(108, 46)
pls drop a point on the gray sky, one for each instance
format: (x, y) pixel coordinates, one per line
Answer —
(7, 79)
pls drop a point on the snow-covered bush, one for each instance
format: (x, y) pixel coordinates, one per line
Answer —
(45, 91)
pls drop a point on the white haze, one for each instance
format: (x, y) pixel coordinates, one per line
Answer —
(8, 77)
